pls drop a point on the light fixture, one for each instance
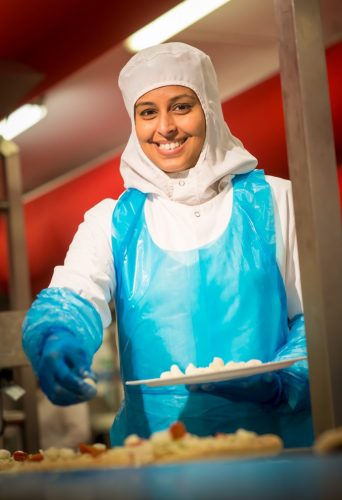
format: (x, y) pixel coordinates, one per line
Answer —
(172, 22)
(21, 119)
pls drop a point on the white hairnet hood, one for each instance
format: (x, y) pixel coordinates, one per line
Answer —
(222, 154)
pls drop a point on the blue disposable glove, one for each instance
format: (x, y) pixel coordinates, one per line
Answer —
(261, 389)
(62, 368)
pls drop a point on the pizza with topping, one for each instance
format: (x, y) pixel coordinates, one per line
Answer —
(172, 445)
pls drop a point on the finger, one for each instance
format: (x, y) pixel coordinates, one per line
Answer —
(72, 382)
(62, 397)
(77, 361)
(55, 392)
(47, 382)
(87, 373)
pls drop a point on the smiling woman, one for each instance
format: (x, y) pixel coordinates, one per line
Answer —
(170, 127)
(200, 256)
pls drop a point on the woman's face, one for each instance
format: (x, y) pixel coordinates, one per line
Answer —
(170, 126)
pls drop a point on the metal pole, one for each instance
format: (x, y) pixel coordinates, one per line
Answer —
(20, 294)
(19, 283)
(312, 165)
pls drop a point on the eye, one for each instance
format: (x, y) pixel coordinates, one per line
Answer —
(182, 107)
(147, 113)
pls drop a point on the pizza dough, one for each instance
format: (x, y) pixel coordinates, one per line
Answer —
(169, 446)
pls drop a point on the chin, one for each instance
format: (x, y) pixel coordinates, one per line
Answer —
(169, 169)
(173, 170)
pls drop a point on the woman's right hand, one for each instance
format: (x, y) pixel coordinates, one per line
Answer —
(63, 368)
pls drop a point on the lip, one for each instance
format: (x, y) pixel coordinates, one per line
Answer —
(170, 152)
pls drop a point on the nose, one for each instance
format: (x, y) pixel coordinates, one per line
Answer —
(166, 125)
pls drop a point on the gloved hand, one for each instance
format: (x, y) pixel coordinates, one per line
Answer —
(62, 368)
(264, 389)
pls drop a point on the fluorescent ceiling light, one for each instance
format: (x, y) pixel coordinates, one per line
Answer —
(21, 119)
(171, 23)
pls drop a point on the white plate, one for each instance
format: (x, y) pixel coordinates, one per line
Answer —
(219, 375)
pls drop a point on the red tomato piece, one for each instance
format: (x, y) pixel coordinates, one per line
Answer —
(92, 450)
(177, 430)
(20, 456)
(35, 457)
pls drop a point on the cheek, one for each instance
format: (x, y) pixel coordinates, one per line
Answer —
(196, 126)
(202, 125)
(142, 130)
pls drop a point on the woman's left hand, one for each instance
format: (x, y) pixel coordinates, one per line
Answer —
(265, 388)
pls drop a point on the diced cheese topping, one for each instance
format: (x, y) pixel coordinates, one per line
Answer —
(100, 446)
(132, 440)
(161, 437)
(217, 364)
(53, 453)
(5, 455)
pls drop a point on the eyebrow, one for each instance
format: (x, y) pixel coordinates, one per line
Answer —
(173, 99)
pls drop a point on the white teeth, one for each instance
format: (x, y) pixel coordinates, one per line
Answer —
(170, 145)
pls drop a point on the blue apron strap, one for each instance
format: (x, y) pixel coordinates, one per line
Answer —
(125, 214)
(254, 196)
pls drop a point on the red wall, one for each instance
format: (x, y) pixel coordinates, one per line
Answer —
(52, 220)
(255, 116)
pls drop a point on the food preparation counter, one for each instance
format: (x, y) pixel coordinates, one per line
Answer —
(292, 475)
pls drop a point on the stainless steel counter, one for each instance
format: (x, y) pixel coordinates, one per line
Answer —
(292, 475)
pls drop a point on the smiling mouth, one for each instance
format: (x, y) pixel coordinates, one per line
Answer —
(170, 146)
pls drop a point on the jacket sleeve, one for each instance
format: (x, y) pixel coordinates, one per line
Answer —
(61, 310)
(77, 298)
(88, 269)
(295, 379)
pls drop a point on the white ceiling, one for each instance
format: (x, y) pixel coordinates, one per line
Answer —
(86, 119)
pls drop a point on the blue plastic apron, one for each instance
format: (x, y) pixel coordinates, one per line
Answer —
(224, 299)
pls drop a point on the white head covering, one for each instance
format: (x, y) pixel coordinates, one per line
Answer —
(222, 154)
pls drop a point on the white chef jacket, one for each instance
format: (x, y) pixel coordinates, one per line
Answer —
(89, 267)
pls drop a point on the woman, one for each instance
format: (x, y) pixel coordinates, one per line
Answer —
(200, 255)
